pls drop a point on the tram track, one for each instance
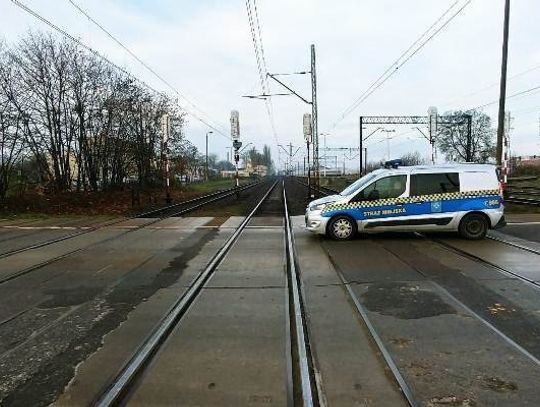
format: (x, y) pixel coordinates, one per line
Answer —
(499, 330)
(480, 260)
(301, 383)
(399, 379)
(459, 303)
(399, 372)
(178, 209)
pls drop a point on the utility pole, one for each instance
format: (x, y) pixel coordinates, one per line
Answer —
(314, 118)
(307, 124)
(502, 96)
(289, 168)
(235, 135)
(506, 148)
(206, 167)
(360, 147)
(166, 130)
(365, 160)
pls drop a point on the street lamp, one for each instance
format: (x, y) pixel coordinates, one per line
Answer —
(206, 172)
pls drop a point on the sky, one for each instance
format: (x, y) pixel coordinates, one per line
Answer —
(204, 49)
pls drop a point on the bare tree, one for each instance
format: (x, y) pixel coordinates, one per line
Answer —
(84, 124)
(455, 143)
(412, 159)
(11, 127)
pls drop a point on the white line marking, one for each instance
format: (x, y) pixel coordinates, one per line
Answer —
(101, 270)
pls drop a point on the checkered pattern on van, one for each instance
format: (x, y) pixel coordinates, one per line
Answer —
(413, 199)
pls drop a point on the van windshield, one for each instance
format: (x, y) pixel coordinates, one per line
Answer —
(356, 185)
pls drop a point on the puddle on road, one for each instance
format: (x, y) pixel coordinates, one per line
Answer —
(404, 301)
(68, 297)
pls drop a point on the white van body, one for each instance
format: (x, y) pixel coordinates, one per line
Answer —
(417, 198)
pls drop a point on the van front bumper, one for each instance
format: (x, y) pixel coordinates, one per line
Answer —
(315, 222)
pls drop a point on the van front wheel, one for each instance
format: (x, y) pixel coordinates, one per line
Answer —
(342, 228)
(473, 226)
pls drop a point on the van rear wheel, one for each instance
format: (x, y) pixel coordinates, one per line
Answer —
(473, 226)
(342, 228)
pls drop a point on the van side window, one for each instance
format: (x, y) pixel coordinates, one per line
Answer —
(384, 188)
(429, 184)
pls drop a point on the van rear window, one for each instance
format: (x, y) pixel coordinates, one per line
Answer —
(429, 184)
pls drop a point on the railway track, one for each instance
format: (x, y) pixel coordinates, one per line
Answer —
(304, 383)
(412, 395)
(500, 331)
(177, 209)
(159, 214)
(396, 374)
(301, 376)
(480, 260)
(523, 196)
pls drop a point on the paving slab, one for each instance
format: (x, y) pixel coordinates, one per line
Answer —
(93, 374)
(182, 223)
(444, 352)
(228, 351)
(21, 261)
(364, 260)
(511, 258)
(266, 221)
(232, 222)
(230, 348)
(145, 264)
(522, 217)
(257, 260)
(451, 260)
(523, 231)
(351, 371)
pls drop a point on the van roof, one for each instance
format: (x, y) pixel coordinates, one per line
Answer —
(459, 167)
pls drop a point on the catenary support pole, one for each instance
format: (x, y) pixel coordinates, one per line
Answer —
(314, 118)
(502, 96)
(361, 146)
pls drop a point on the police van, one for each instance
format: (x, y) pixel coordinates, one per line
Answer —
(465, 198)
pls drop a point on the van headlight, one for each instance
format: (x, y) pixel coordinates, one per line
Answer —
(319, 207)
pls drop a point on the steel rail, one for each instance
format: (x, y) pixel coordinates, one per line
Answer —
(482, 261)
(17, 274)
(122, 383)
(222, 194)
(522, 200)
(406, 390)
(513, 244)
(480, 318)
(298, 323)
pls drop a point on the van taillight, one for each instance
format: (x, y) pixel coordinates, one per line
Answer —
(502, 189)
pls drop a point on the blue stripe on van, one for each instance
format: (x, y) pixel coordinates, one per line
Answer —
(423, 208)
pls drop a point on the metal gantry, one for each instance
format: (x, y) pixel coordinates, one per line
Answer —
(412, 120)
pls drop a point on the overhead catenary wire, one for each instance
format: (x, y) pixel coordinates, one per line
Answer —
(206, 121)
(79, 42)
(513, 95)
(83, 45)
(492, 85)
(256, 36)
(410, 52)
